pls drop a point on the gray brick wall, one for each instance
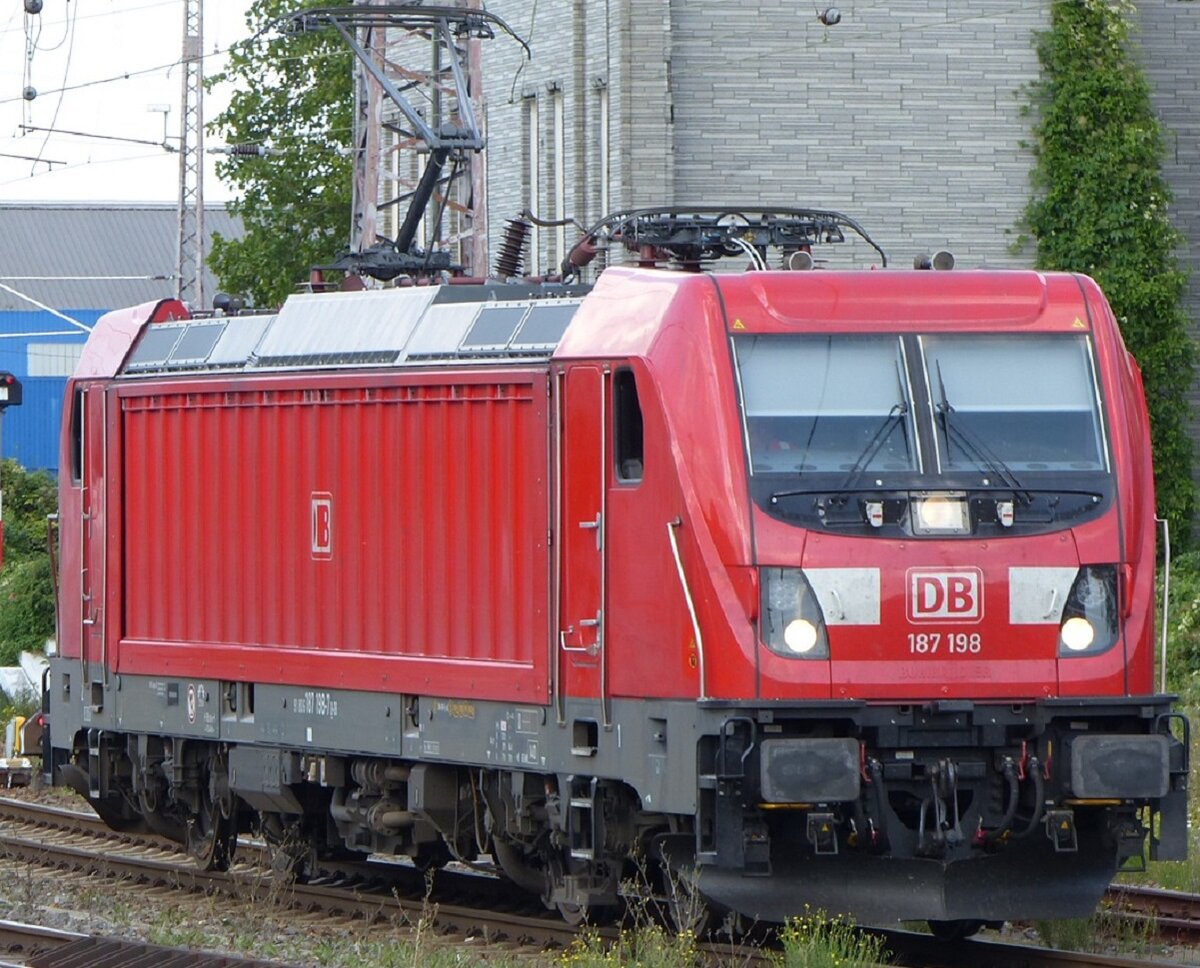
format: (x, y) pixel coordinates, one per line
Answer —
(908, 115)
(617, 50)
(1170, 44)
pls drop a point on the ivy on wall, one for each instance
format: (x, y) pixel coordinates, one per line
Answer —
(1100, 207)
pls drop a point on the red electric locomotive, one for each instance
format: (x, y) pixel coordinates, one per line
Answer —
(825, 588)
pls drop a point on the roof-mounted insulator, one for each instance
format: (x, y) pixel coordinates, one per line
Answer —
(243, 151)
(799, 260)
(512, 247)
(941, 259)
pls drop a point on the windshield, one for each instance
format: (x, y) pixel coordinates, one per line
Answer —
(918, 408)
(1026, 402)
(826, 403)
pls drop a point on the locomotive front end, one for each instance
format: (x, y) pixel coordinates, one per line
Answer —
(953, 531)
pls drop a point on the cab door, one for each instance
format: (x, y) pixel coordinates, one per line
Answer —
(581, 428)
(93, 532)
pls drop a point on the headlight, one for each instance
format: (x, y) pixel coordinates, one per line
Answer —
(800, 636)
(941, 514)
(1089, 618)
(792, 623)
(1077, 633)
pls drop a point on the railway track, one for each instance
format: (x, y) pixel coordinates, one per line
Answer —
(1174, 914)
(466, 906)
(923, 951)
(40, 947)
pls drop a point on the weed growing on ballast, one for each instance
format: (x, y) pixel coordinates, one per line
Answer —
(816, 941)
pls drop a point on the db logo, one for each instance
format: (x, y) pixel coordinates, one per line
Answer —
(322, 525)
(945, 596)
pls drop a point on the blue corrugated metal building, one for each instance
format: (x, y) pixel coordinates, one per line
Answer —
(41, 350)
(62, 266)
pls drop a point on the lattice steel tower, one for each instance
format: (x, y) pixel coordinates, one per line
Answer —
(189, 266)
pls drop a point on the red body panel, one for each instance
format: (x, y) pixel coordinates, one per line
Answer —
(368, 534)
(391, 530)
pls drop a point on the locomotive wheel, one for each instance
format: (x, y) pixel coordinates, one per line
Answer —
(955, 930)
(433, 855)
(293, 863)
(687, 909)
(293, 855)
(575, 913)
(211, 837)
(578, 914)
(212, 832)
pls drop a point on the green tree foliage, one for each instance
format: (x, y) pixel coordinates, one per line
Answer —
(1101, 208)
(293, 92)
(26, 591)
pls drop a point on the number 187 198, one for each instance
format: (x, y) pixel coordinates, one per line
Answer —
(945, 643)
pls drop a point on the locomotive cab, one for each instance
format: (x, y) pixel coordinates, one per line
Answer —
(951, 529)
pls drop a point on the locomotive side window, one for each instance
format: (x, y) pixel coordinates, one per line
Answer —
(77, 437)
(826, 403)
(1028, 402)
(628, 447)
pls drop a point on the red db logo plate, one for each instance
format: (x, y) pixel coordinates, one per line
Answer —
(938, 595)
(322, 525)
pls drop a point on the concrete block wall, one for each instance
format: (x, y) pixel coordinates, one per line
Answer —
(1169, 42)
(906, 116)
(582, 57)
(909, 116)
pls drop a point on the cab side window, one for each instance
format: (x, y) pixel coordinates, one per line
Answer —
(627, 428)
(77, 437)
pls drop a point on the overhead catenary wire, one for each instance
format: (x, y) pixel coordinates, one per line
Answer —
(127, 75)
(9, 29)
(70, 36)
(116, 77)
(50, 309)
(63, 168)
(44, 161)
(42, 166)
(49, 332)
(141, 278)
(89, 134)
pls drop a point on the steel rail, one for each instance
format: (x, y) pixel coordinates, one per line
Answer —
(471, 904)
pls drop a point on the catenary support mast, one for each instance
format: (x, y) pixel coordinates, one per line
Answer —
(189, 265)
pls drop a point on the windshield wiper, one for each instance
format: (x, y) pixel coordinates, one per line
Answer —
(874, 445)
(971, 444)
